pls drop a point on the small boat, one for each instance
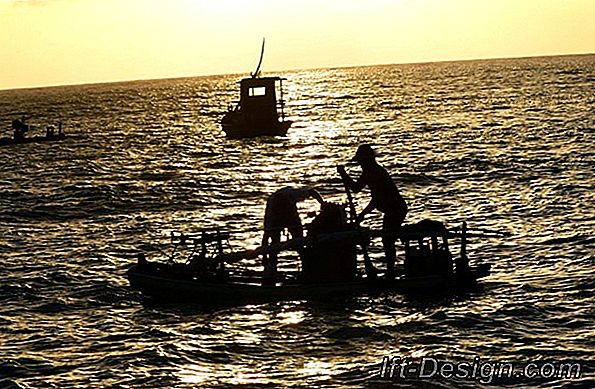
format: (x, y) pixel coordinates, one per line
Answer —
(20, 128)
(167, 282)
(328, 267)
(258, 112)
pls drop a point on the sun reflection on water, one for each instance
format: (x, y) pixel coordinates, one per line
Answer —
(195, 374)
(320, 369)
(229, 374)
(291, 317)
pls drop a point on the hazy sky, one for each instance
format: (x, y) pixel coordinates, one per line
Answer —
(54, 42)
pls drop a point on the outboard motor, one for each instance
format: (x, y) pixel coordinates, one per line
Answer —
(334, 261)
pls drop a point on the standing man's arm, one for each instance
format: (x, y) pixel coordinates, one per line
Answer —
(355, 186)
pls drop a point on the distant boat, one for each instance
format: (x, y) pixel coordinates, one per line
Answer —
(20, 129)
(258, 113)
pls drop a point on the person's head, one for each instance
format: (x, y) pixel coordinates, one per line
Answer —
(364, 154)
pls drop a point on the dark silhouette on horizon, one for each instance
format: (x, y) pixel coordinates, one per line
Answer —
(20, 129)
(256, 113)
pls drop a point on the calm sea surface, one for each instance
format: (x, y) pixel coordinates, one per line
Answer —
(506, 145)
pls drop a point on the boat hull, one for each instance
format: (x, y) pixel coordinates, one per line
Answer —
(160, 282)
(239, 131)
(34, 139)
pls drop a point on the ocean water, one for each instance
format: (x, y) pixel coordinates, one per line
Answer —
(507, 145)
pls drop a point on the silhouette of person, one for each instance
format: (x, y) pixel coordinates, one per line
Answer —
(385, 197)
(281, 212)
(20, 128)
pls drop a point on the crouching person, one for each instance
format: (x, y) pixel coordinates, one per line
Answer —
(281, 213)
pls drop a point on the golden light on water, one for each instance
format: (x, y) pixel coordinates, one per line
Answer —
(291, 317)
(318, 369)
(315, 130)
(229, 374)
(77, 212)
(195, 374)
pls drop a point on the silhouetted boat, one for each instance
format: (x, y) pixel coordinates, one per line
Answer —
(20, 129)
(5, 141)
(428, 268)
(172, 283)
(258, 112)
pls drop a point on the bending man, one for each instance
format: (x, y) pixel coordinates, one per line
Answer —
(385, 197)
(281, 212)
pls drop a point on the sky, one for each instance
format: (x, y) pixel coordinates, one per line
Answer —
(57, 42)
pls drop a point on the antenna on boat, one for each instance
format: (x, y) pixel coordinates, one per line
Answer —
(257, 71)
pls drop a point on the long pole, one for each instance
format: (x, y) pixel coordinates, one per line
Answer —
(370, 269)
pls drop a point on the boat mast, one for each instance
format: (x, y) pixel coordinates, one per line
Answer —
(281, 102)
(255, 74)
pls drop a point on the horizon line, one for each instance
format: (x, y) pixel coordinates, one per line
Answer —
(83, 83)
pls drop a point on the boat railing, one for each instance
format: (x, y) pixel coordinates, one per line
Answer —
(331, 238)
(204, 245)
(233, 106)
(281, 108)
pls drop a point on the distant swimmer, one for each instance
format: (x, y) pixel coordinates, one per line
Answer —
(281, 213)
(385, 197)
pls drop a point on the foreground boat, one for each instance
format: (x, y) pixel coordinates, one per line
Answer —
(171, 283)
(328, 267)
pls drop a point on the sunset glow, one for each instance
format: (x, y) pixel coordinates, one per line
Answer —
(54, 42)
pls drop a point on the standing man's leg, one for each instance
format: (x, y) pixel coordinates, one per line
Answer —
(270, 260)
(391, 224)
(390, 253)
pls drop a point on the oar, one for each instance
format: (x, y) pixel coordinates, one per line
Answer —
(490, 233)
(370, 269)
(374, 233)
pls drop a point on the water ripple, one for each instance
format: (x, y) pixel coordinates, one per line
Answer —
(503, 144)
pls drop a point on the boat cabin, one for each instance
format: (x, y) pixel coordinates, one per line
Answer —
(257, 114)
(258, 98)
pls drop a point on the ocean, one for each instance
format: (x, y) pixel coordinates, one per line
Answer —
(505, 145)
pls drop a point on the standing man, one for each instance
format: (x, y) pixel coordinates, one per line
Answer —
(385, 197)
(281, 212)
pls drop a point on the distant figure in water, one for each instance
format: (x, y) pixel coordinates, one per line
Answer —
(281, 212)
(20, 128)
(49, 131)
(385, 197)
